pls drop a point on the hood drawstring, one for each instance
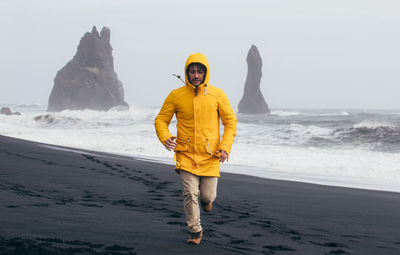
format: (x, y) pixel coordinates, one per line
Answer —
(179, 77)
(195, 88)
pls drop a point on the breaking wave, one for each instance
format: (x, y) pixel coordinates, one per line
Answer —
(56, 120)
(378, 137)
(296, 144)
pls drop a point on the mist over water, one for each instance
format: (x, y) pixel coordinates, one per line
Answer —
(315, 53)
(345, 148)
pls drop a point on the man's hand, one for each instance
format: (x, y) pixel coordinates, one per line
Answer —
(224, 156)
(170, 144)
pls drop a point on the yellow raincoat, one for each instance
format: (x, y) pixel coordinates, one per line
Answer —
(198, 111)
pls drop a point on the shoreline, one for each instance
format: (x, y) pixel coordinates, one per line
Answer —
(278, 175)
(232, 169)
(70, 201)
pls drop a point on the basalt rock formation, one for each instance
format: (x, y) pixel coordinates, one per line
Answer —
(88, 81)
(7, 111)
(253, 101)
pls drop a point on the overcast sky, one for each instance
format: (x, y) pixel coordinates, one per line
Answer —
(316, 54)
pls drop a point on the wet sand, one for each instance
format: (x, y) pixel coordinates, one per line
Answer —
(57, 200)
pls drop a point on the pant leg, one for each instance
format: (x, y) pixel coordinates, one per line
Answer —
(191, 200)
(208, 189)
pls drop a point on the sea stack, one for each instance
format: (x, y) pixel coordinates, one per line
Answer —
(88, 81)
(253, 101)
(7, 111)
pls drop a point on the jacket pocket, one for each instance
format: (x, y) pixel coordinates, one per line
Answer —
(182, 145)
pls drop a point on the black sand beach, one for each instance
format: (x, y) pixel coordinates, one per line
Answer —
(67, 201)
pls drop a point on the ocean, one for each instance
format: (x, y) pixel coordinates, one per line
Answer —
(349, 148)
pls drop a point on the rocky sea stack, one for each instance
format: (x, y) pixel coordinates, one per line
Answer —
(7, 111)
(253, 101)
(88, 81)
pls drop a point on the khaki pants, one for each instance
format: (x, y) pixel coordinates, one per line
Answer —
(195, 187)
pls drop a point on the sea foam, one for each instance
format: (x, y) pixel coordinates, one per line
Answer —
(318, 147)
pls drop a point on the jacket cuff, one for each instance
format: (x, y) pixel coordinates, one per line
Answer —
(225, 148)
(165, 138)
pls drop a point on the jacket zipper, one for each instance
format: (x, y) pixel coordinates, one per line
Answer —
(194, 125)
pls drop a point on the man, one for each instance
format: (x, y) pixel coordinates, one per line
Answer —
(198, 148)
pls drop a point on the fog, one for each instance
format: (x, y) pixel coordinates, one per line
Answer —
(316, 54)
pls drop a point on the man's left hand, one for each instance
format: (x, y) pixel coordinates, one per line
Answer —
(224, 156)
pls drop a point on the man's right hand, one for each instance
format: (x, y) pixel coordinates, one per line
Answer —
(170, 144)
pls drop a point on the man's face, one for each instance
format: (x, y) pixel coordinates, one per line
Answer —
(196, 75)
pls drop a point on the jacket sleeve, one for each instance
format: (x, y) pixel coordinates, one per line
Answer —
(229, 121)
(163, 119)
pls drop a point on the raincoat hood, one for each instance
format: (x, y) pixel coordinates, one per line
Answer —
(198, 58)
